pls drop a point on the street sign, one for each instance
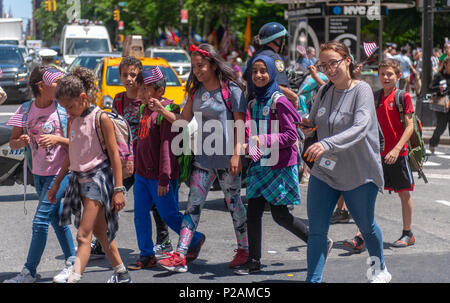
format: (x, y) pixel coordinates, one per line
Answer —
(122, 4)
(121, 25)
(184, 16)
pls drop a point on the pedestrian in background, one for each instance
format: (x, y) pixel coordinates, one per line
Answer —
(157, 169)
(440, 86)
(406, 67)
(347, 133)
(42, 126)
(209, 78)
(95, 184)
(277, 184)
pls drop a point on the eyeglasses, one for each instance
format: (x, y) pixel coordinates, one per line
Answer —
(332, 65)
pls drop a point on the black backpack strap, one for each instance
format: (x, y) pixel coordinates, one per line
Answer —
(399, 102)
(377, 98)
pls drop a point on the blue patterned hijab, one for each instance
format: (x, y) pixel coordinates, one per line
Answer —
(263, 94)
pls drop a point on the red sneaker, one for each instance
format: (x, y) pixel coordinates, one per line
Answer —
(175, 262)
(240, 258)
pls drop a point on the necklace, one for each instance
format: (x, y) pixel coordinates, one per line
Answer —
(331, 125)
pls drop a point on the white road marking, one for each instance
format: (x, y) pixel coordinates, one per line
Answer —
(429, 163)
(437, 176)
(443, 202)
(6, 114)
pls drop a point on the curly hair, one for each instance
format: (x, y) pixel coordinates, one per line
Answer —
(130, 61)
(80, 80)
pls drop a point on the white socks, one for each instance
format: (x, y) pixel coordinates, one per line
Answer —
(119, 268)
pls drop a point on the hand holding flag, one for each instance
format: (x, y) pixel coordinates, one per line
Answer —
(254, 151)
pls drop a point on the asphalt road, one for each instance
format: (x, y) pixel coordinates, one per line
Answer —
(283, 255)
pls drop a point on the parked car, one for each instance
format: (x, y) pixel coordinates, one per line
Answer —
(109, 84)
(90, 60)
(15, 71)
(177, 57)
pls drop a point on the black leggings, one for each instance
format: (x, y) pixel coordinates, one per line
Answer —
(281, 216)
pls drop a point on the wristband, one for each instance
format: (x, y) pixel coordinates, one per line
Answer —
(120, 189)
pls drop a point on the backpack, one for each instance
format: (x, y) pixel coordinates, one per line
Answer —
(416, 146)
(225, 91)
(123, 138)
(185, 159)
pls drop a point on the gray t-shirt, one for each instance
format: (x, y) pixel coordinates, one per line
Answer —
(350, 137)
(216, 142)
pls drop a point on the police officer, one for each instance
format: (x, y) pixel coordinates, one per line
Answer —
(272, 39)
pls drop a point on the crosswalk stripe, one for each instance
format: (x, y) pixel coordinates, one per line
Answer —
(443, 202)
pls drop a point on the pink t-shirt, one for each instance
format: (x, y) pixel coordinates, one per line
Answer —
(43, 121)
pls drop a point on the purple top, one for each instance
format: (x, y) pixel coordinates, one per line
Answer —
(287, 136)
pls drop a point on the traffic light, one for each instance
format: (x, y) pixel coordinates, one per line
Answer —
(48, 5)
(117, 15)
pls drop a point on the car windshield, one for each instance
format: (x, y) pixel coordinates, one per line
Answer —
(113, 77)
(75, 46)
(10, 56)
(88, 62)
(13, 42)
(172, 57)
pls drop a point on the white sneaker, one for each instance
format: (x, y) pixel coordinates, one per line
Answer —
(64, 274)
(382, 276)
(24, 277)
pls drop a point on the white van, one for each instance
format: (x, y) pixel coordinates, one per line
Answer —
(83, 36)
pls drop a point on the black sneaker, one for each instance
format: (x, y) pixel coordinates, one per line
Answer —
(96, 250)
(250, 267)
(162, 250)
(340, 216)
(123, 277)
(194, 251)
(356, 244)
(405, 241)
(143, 262)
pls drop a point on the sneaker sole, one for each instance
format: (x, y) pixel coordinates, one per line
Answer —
(173, 268)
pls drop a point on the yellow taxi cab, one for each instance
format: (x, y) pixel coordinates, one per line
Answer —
(107, 71)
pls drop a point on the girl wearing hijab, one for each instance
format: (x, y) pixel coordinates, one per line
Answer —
(276, 183)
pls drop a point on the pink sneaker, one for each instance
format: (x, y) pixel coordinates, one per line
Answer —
(175, 262)
(240, 258)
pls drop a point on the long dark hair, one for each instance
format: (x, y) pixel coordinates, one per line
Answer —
(223, 71)
(343, 50)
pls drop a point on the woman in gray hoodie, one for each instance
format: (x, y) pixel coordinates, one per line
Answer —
(346, 161)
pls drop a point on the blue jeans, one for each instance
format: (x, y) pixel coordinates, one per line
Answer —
(145, 196)
(322, 200)
(46, 214)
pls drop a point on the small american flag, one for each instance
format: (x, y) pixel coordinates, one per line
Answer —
(254, 151)
(369, 48)
(16, 120)
(153, 75)
(51, 75)
(250, 51)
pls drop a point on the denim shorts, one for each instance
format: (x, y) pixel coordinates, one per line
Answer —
(91, 191)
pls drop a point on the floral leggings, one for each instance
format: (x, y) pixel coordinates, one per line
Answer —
(200, 183)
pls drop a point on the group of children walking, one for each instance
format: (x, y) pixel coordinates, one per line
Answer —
(68, 157)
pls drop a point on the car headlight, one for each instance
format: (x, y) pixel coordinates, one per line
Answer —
(22, 75)
(107, 102)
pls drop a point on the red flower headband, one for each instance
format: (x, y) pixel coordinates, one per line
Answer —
(202, 52)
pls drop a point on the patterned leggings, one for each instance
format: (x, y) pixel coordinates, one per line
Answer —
(201, 181)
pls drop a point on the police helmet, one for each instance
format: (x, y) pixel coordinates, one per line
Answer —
(271, 31)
